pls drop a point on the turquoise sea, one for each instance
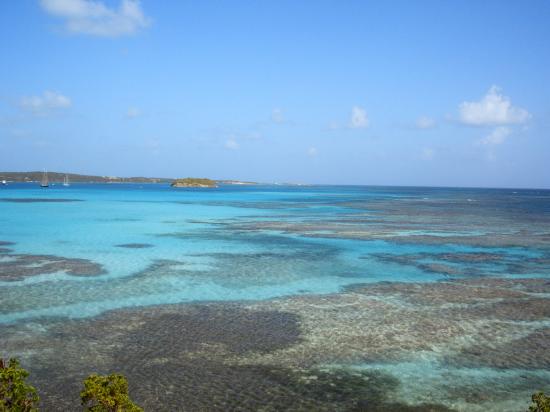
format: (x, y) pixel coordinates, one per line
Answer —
(279, 297)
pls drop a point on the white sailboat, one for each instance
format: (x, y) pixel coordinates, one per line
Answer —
(66, 180)
(44, 182)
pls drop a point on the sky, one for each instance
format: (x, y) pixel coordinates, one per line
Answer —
(423, 93)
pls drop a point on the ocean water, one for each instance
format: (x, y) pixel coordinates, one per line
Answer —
(97, 251)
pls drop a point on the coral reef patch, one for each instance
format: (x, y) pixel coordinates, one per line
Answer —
(21, 266)
(303, 352)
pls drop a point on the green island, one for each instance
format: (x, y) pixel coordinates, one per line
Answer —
(194, 182)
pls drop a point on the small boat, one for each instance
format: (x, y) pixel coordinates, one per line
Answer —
(66, 181)
(4, 183)
(44, 182)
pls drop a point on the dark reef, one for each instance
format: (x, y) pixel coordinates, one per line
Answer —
(37, 200)
(135, 245)
(20, 266)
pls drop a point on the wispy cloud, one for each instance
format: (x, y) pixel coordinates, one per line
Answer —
(359, 118)
(425, 122)
(253, 135)
(20, 133)
(277, 115)
(333, 126)
(496, 137)
(428, 153)
(133, 112)
(93, 17)
(152, 146)
(231, 144)
(492, 110)
(46, 103)
(312, 152)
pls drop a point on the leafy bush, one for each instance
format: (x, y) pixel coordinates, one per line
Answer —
(15, 394)
(541, 403)
(107, 394)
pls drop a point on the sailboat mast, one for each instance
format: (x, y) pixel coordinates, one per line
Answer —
(44, 182)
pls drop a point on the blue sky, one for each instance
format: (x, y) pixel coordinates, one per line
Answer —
(453, 93)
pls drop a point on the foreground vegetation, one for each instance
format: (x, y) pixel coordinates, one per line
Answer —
(15, 394)
(108, 393)
(541, 403)
(101, 393)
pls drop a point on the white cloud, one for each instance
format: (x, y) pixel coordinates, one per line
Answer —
(493, 109)
(48, 102)
(312, 152)
(359, 119)
(231, 144)
(133, 112)
(95, 18)
(428, 153)
(277, 116)
(425, 122)
(496, 137)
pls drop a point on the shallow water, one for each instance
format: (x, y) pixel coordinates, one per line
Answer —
(119, 253)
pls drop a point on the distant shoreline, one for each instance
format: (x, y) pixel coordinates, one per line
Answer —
(58, 177)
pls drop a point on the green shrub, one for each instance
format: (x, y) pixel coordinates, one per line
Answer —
(541, 403)
(107, 394)
(15, 394)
